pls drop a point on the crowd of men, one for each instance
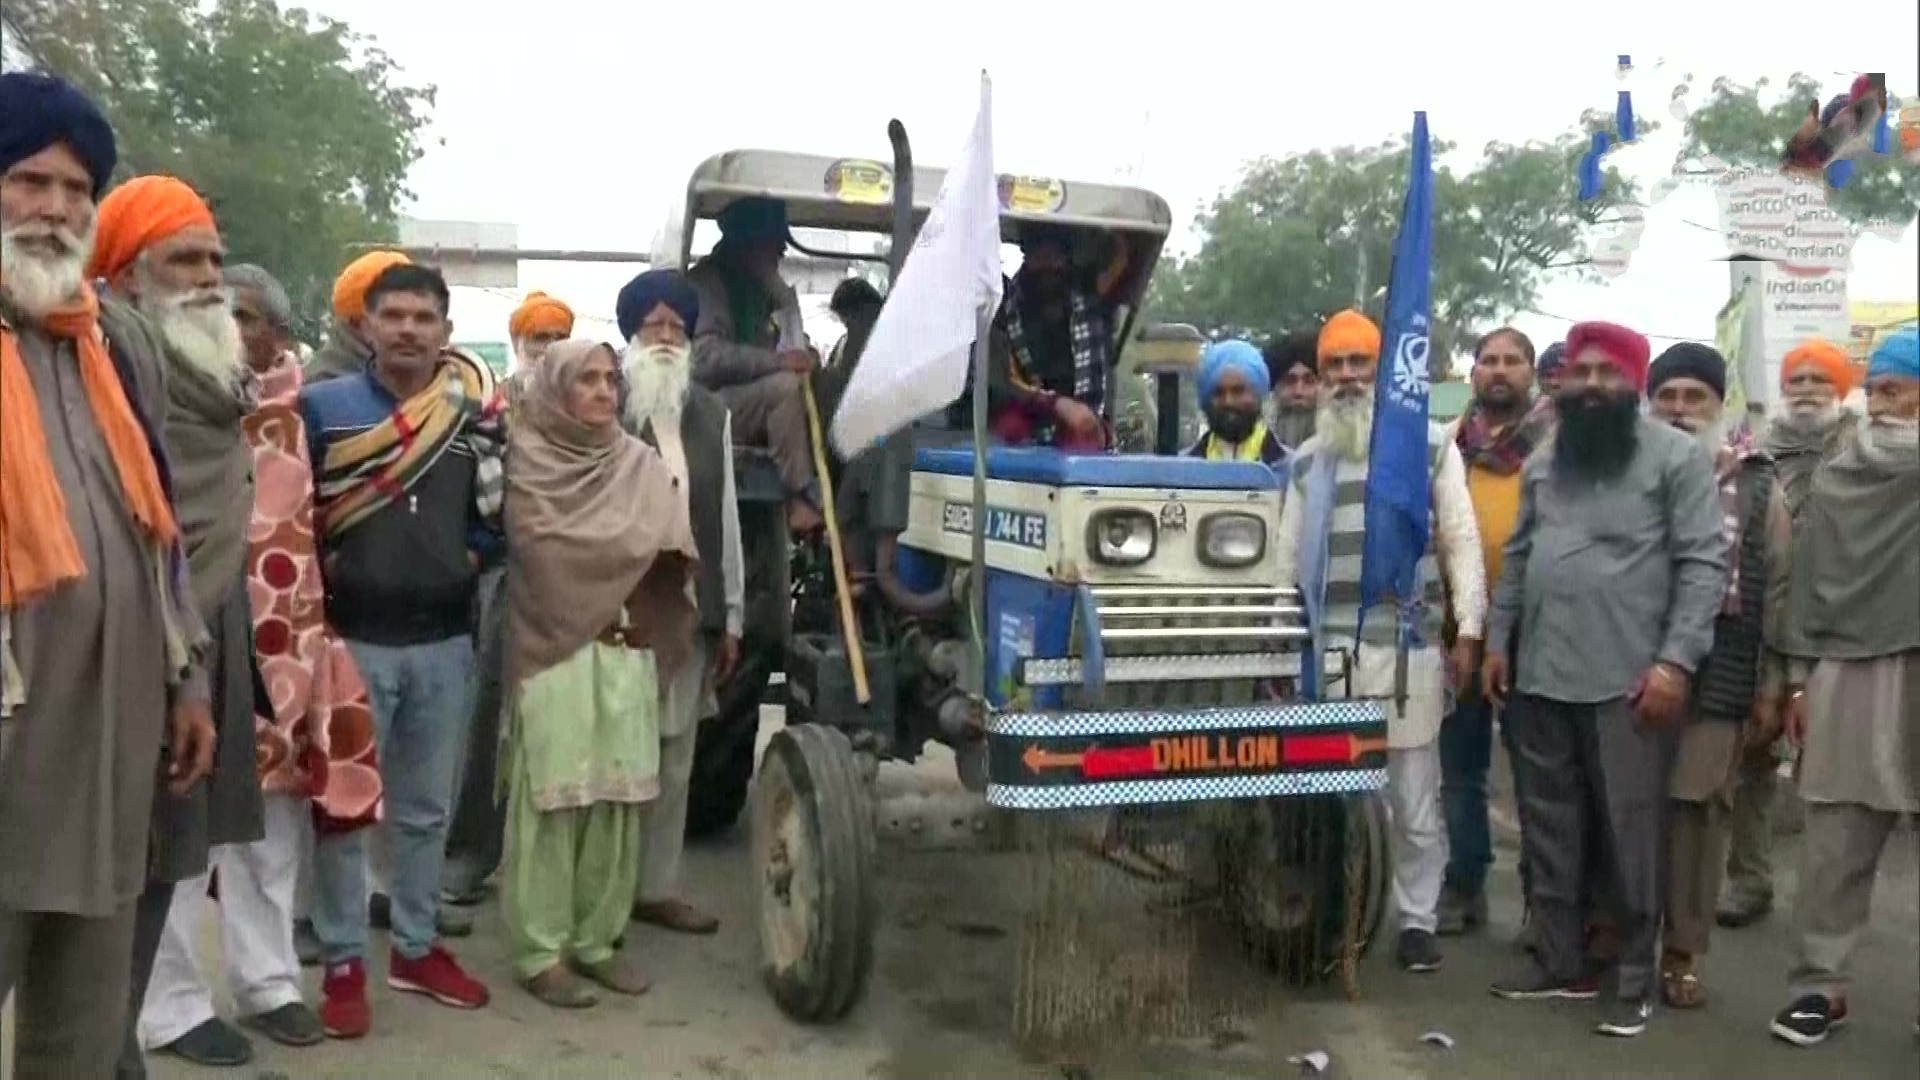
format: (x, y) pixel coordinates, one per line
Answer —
(250, 608)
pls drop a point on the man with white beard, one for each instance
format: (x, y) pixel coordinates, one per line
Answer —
(538, 322)
(158, 247)
(1734, 711)
(1810, 428)
(99, 684)
(690, 426)
(1322, 524)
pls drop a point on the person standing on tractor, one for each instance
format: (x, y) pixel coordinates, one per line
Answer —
(690, 428)
(1232, 383)
(750, 349)
(1052, 351)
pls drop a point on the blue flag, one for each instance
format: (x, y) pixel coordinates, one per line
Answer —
(1399, 498)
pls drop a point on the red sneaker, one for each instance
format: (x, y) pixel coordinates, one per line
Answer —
(343, 1001)
(439, 976)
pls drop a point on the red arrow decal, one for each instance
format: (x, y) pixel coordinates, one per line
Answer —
(1119, 762)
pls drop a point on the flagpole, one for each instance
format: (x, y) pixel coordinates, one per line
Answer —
(977, 578)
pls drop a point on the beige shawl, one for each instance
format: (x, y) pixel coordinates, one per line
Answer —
(594, 525)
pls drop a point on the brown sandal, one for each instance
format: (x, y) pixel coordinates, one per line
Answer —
(561, 988)
(1680, 988)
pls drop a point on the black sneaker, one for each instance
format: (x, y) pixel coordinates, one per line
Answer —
(1809, 1020)
(1624, 1019)
(1418, 952)
(1533, 983)
(292, 1024)
(215, 1043)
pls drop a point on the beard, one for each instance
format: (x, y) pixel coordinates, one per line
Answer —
(1598, 433)
(199, 324)
(657, 379)
(525, 355)
(1810, 418)
(39, 283)
(1344, 422)
(1232, 425)
(1711, 434)
(1292, 424)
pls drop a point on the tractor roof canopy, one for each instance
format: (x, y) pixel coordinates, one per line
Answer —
(857, 195)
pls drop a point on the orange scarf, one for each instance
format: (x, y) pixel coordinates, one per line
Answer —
(38, 551)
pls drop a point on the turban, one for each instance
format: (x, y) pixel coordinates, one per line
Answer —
(1897, 354)
(1690, 360)
(648, 291)
(1825, 356)
(1224, 356)
(1625, 349)
(139, 214)
(37, 111)
(1348, 332)
(1298, 349)
(540, 314)
(350, 288)
(1553, 359)
(754, 220)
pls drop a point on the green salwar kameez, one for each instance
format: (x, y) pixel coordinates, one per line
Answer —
(584, 756)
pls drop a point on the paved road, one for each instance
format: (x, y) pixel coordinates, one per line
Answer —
(940, 1006)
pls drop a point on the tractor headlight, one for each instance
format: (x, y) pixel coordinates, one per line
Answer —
(1232, 540)
(1121, 537)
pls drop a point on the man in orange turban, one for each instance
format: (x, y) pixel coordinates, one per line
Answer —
(346, 350)
(538, 322)
(98, 684)
(159, 249)
(1808, 429)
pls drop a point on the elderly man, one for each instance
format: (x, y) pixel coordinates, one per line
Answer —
(1232, 383)
(1496, 435)
(538, 322)
(408, 484)
(1319, 546)
(1052, 347)
(1853, 635)
(1815, 376)
(1293, 363)
(1618, 561)
(349, 348)
(691, 429)
(751, 349)
(98, 629)
(1735, 707)
(157, 246)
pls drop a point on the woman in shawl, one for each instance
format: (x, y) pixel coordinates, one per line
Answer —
(599, 611)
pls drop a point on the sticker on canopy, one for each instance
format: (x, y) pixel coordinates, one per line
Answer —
(1031, 194)
(855, 181)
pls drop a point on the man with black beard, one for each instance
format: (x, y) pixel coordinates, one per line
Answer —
(1295, 370)
(1232, 382)
(1618, 562)
(1814, 378)
(1735, 706)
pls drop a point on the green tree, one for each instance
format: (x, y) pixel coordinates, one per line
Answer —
(298, 131)
(1748, 125)
(1299, 237)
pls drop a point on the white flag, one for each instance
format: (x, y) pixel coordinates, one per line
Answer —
(917, 358)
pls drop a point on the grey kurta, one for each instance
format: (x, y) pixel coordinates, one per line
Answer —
(1606, 578)
(82, 756)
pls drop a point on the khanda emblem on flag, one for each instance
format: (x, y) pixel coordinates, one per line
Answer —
(1411, 376)
(1603, 141)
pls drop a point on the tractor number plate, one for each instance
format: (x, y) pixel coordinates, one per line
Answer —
(1062, 761)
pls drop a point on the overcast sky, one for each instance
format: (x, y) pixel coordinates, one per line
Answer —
(580, 120)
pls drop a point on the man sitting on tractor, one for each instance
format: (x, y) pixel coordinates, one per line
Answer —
(750, 349)
(1052, 350)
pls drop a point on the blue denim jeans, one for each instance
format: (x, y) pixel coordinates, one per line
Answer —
(420, 697)
(1466, 755)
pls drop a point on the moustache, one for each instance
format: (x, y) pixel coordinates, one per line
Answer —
(68, 242)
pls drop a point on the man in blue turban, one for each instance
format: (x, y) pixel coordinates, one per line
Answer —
(1233, 385)
(750, 347)
(39, 111)
(1852, 639)
(689, 425)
